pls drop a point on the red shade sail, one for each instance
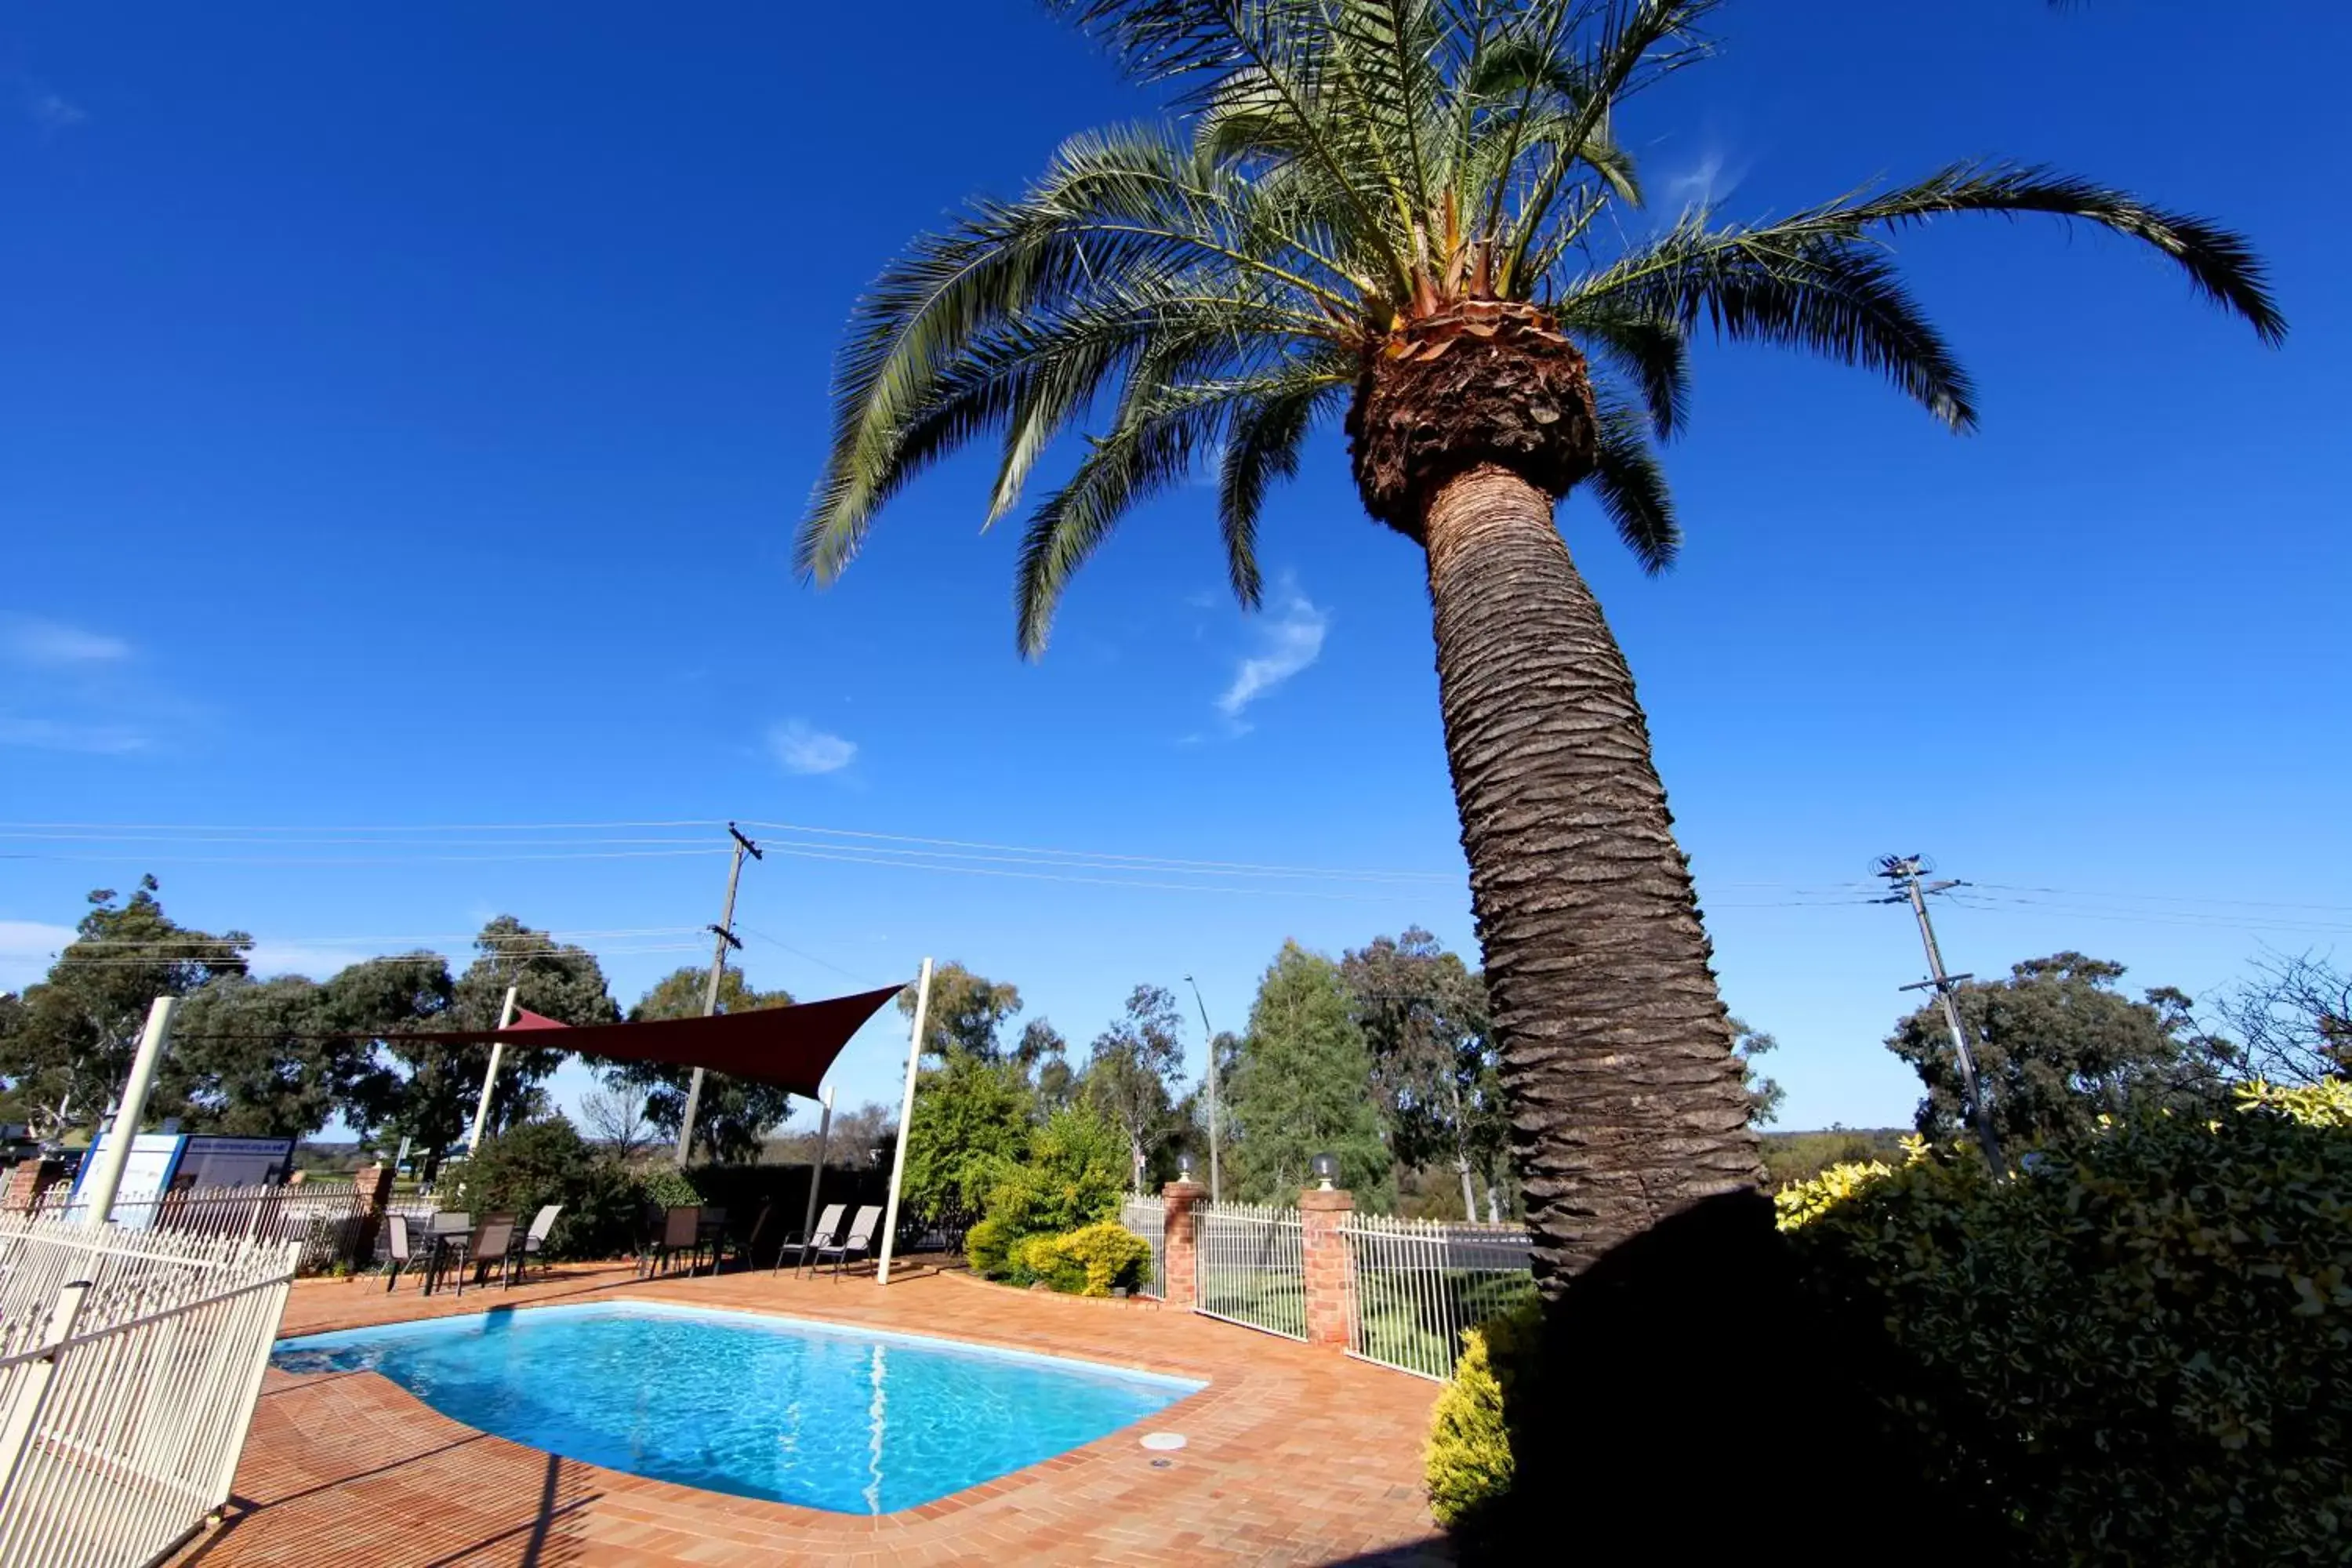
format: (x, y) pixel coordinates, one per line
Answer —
(790, 1047)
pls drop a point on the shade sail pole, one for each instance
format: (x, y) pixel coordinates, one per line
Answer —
(906, 1116)
(816, 1169)
(106, 1179)
(490, 1079)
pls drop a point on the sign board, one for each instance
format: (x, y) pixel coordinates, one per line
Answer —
(167, 1161)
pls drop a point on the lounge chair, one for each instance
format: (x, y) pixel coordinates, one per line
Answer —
(828, 1225)
(680, 1232)
(397, 1253)
(488, 1248)
(723, 1245)
(534, 1240)
(860, 1239)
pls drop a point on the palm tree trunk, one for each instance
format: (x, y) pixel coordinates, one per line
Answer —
(1626, 1101)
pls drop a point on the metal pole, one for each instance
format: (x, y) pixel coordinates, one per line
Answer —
(1211, 1036)
(1905, 871)
(906, 1116)
(816, 1168)
(107, 1179)
(490, 1079)
(726, 933)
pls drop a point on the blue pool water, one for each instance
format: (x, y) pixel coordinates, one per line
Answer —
(849, 1420)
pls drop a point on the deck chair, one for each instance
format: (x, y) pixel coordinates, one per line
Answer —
(680, 1233)
(396, 1251)
(859, 1240)
(725, 1245)
(828, 1225)
(486, 1249)
(534, 1240)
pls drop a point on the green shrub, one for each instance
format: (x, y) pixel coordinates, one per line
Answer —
(1090, 1260)
(1468, 1462)
(667, 1186)
(988, 1247)
(1041, 1258)
(549, 1162)
(1069, 1183)
(2139, 1351)
(1072, 1175)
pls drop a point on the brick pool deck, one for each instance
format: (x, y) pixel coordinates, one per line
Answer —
(1295, 1455)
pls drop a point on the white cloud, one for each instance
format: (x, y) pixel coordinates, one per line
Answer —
(26, 949)
(53, 735)
(1290, 640)
(800, 748)
(50, 112)
(52, 643)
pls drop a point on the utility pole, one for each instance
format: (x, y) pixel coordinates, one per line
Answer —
(1209, 1036)
(1903, 872)
(725, 930)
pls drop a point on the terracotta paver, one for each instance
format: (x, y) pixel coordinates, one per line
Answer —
(1295, 1455)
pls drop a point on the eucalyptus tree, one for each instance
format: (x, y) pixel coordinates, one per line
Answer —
(1408, 216)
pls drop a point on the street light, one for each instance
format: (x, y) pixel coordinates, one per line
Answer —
(1210, 1036)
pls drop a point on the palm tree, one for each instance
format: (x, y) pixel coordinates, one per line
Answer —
(1392, 212)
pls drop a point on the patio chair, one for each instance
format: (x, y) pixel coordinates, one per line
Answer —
(397, 1253)
(680, 1232)
(486, 1249)
(828, 1225)
(860, 1239)
(445, 1235)
(534, 1240)
(723, 1245)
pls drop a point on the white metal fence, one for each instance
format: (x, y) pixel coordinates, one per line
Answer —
(130, 1362)
(1417, 1284)
(324, 1217)
(1147, 1218)
(1251, 1266)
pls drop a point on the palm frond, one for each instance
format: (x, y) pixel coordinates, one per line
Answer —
(1262, 445)
(1649, 352)
(1155, 443)
(2221, 264)
(1631, 487)
(1800, 289)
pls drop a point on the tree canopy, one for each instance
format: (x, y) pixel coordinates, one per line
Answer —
(1131, 1072)
(1300, 1089)
(967, 1013)
(2057, 1045)
(1422, 1016)
(66, 1046)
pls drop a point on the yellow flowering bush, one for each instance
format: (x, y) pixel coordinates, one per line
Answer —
(1468, 1463)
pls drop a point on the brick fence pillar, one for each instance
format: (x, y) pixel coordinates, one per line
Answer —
(372, 1195)
(1177, 1242)
(28, 1180)
(1330, 1280)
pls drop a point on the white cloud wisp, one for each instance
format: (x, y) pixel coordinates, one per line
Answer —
(801, 748)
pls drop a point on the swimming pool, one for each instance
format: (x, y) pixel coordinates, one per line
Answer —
(849, 1420)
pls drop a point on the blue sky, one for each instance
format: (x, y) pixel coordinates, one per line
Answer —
(403, 416)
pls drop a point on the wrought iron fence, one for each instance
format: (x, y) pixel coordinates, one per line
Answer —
(1147, 1218)
(1251, 1266)
(130, 1362)
(1417, 1284)
(324, 1217)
